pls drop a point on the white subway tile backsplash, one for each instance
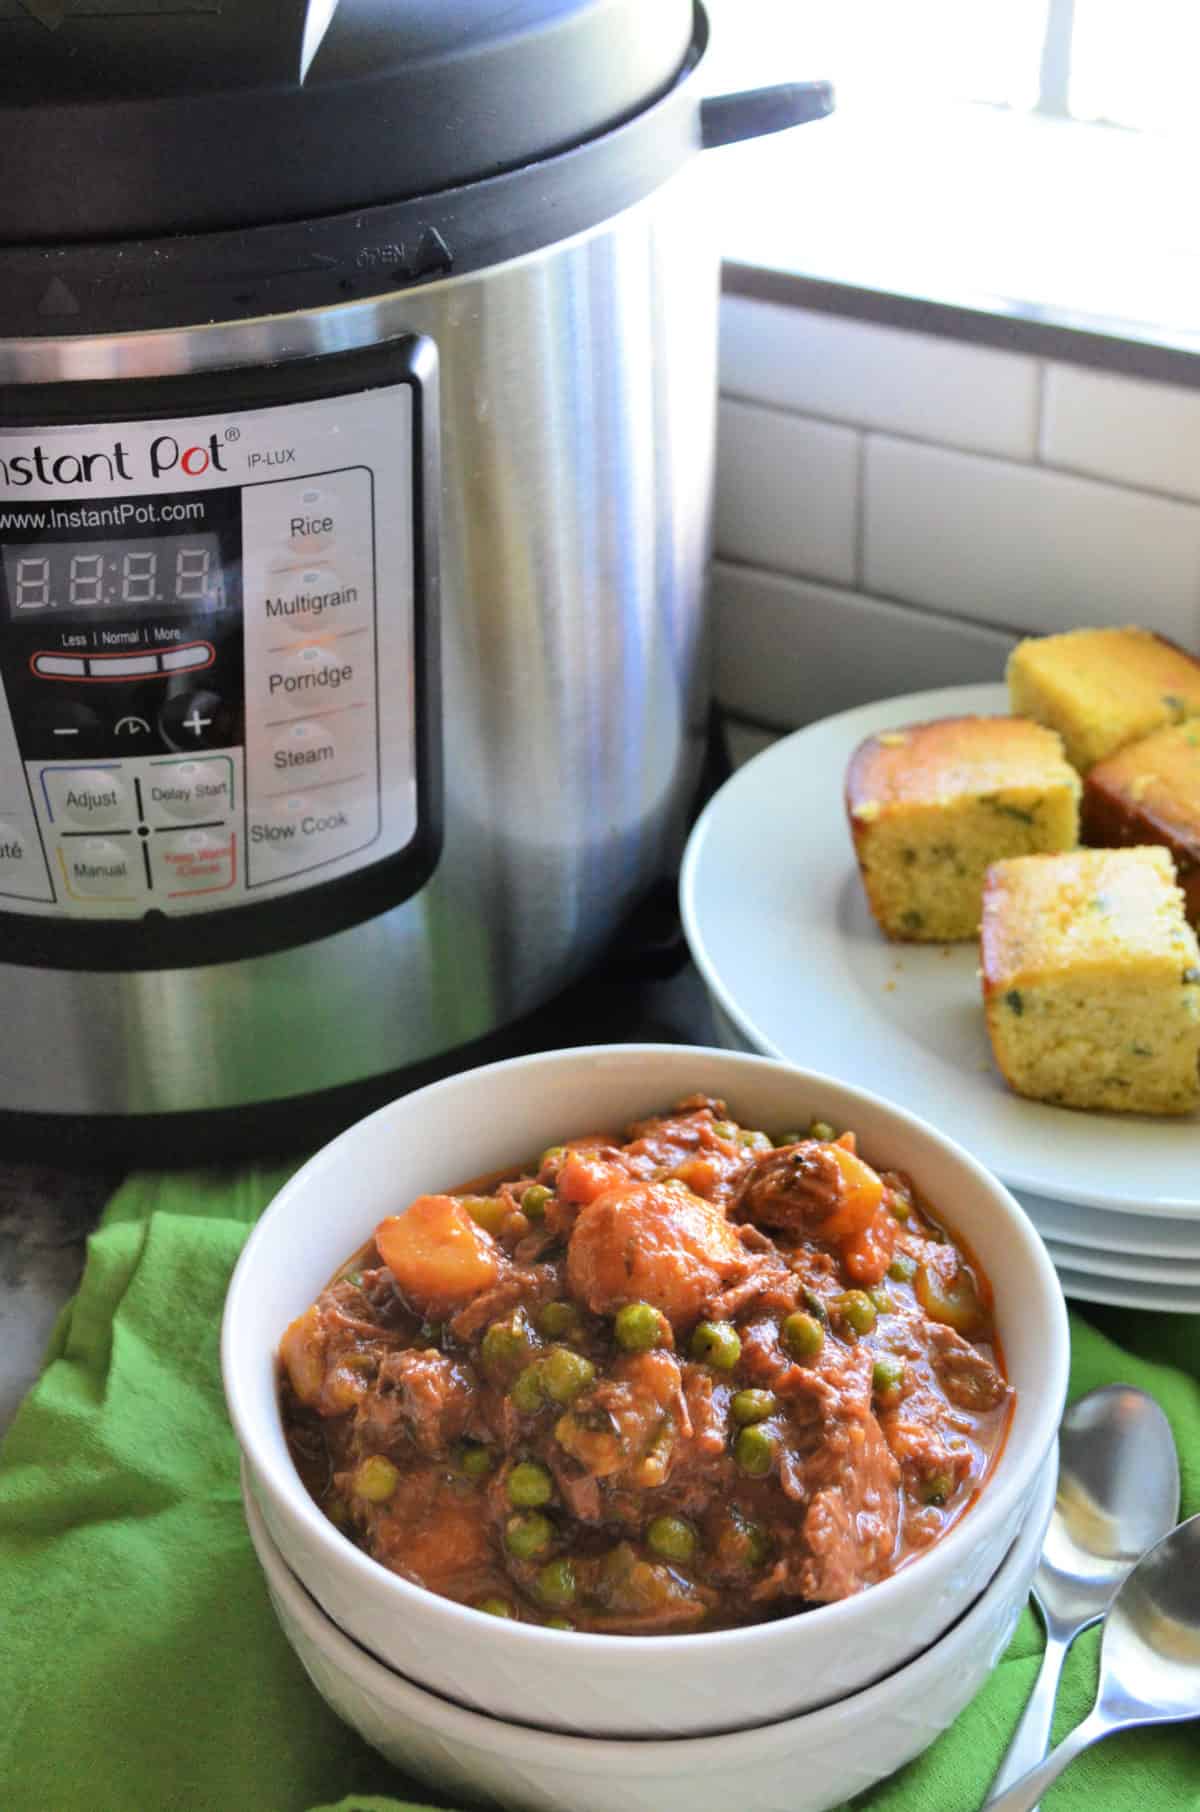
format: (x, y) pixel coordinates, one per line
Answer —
(787, 492)
(1123, 429)
(1024, 546)
(790, 652)
(883, 377)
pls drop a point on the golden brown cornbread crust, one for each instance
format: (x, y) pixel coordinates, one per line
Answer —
(1149, 792)
(931, 805)
(1103, 688)
(1091, 980)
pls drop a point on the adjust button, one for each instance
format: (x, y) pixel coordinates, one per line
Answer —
(187, 790)
(93, 798)
(100, 868)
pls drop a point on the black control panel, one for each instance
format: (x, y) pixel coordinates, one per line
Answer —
(123, 625)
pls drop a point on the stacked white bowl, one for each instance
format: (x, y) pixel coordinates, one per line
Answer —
(532, 1717)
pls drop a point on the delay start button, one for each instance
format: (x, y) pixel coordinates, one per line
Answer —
(188, 791)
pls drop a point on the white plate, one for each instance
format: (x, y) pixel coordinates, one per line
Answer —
(778, 925)
(1123, 1294)
(1104, 1230)
(1170, 1273)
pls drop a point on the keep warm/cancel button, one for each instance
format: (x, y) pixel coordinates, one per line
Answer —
(293, 832)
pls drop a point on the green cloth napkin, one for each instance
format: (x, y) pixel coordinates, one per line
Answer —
(141, 1669)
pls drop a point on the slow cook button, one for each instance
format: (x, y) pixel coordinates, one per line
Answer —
(303, 830)
(187, 790)
(100, 868)
(194, 861)
(92, 798)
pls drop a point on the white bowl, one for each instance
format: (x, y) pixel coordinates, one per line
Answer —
(645, 1686)
(805, 1764)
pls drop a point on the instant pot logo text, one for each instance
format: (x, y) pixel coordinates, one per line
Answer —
(164, 454)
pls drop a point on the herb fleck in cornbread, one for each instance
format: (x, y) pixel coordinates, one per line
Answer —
(1091, 980)
(931, 806)
(1150, 793)
(1103, 688)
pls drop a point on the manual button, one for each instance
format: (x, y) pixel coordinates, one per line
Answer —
(99, 868)
(92, 798)
(188, 790)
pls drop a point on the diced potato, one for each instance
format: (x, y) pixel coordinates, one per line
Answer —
(861, 1194)
(302, 1350)
(437, 1254)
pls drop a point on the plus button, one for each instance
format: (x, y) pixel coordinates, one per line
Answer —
(195, 723)
(196, 720)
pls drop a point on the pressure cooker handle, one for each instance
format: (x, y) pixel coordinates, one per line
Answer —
(726, 118)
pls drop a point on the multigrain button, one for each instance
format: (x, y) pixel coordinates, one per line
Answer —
(92, 798)
(311, 600)
(100, 868)
(187, 790)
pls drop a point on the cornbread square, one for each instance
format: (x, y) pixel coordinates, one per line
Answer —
(1103, 688)
(931, 806)
(1091, 980)
(1150, 793)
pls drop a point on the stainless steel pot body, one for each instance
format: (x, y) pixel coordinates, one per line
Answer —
(577, 399)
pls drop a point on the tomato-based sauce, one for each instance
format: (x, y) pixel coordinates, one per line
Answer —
(680, 1381)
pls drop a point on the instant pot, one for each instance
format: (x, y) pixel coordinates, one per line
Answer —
(357, 381)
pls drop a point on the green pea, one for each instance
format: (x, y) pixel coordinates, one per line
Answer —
(375, 1479)
(902, 1268)
(564, 1374)
(558, 1319)
(716, 1343)
(724, 1129)
(754, 1450)
(552, 1156)
(882, 1301)
(752, 1406)
(672, 1537)
(788, 1138)
(816, 1306)
(802, 1335)
(529, 1485)
(527, 1393)
(821, 1129)
(638, 1327)
(528, 1534)
(555, 1583)
(353, 1277)
(507, 1344)
(743, 1543)
(937, 1488)
(473, 1460)
(856, 1309)
(533, 1202)
(431, 1332)
(558, 1623)
(887, 1375)
(901, 1209)
(487, 1211)
(494, 1607)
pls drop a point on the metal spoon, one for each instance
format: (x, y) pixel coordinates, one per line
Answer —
(1149, 1659)
(1118, 1493)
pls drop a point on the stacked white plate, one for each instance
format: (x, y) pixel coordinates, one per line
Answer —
(795, 966)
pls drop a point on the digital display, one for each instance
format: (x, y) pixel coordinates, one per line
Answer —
(93, 578)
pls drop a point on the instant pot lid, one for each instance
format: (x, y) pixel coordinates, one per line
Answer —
(124, 118)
